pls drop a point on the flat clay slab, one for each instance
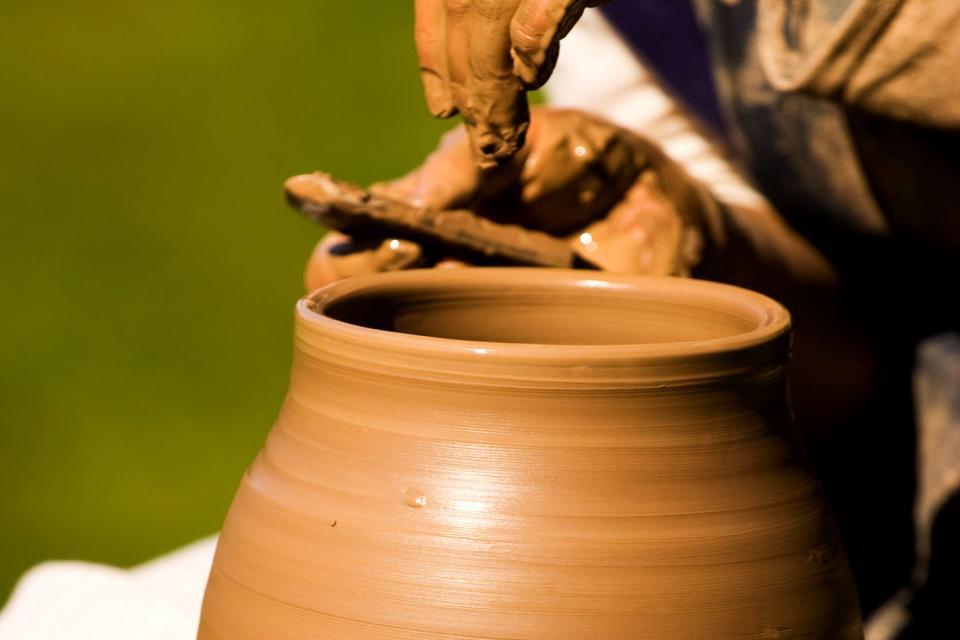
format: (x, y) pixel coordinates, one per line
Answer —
(359, 213)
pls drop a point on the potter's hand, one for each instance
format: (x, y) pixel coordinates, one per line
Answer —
(477, 57)
(615, 197)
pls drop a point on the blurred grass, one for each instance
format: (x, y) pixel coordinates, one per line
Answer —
(148, 265)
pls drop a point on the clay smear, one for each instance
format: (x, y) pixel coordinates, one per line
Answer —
(525, 453)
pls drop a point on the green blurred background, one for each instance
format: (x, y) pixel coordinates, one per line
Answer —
(148, 264)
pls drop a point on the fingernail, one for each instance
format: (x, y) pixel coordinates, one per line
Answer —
(437, 94)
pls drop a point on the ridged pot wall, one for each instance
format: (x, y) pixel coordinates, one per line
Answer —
(522, 453)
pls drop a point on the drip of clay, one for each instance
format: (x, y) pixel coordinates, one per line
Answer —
(537, 454)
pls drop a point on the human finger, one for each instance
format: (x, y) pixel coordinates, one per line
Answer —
(431, 42)
(535, 34)
(495, 105)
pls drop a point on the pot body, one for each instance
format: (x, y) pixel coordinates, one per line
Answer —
(601, 457)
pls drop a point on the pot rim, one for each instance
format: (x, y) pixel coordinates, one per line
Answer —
(771, 319)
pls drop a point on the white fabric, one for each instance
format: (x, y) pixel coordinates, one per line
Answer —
(159, 600)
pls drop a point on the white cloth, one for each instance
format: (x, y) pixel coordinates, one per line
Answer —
(159, 600)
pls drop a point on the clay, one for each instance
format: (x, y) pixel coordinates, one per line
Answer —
(637, 211)
(576, 167)
(360, 213)
(532, 453)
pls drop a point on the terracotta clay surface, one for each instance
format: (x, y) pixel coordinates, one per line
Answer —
(356, 211)
(526, 453)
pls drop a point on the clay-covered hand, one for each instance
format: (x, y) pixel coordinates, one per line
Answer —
(477, 57)
(618, 200)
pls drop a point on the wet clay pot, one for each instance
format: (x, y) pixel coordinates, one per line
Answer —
(524, 453)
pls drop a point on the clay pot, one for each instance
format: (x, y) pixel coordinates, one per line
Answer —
(525, 453)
